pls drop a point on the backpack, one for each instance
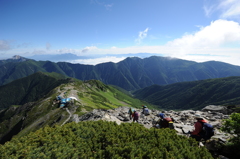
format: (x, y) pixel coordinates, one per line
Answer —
(146, 111)
(207, 131)
(136, 115)
(131, 110)
(169, 122)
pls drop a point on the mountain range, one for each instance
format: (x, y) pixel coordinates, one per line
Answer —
(193, 95)
(130, 74)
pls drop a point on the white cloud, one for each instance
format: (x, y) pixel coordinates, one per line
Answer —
(141, 35)
(98, 60)
(89, 48)
(218, 33)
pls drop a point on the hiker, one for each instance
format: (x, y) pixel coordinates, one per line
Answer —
(164, 122)
(130, 112)
(202, 130)
(135, 116)
(145, 110)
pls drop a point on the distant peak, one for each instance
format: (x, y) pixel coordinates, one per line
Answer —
(16, 57)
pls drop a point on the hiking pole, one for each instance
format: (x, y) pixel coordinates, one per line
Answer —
(183, 131)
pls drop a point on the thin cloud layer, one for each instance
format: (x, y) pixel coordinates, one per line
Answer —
(142, 35)
(230, 9)
(96, 61)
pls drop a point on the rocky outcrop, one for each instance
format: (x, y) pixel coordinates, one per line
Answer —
(184, 120)
(216, 108)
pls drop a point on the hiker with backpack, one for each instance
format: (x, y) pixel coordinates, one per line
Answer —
(164, 122)
(203, 130)
(130, 112)
(145, 110)
(135, 116)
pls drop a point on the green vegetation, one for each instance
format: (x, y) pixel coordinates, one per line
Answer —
(99, 139)
(96, 95)
(193, 95)
(232, 126)
(30, 88)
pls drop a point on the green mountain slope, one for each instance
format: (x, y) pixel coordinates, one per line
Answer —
(29, 89)
(193, 95)
(20, 119)
(130, 74)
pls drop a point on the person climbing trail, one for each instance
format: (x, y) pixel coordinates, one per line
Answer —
(203, 130)
(164, 122)
(135, 116)
(130, 112)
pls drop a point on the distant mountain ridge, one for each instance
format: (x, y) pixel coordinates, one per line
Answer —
(130, 74)
(55, 58)
(15, 58)
(67, 57)
(193, 95)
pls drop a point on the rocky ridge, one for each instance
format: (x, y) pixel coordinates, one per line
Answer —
(184, 120)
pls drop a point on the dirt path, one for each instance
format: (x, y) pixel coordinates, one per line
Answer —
(70, 115)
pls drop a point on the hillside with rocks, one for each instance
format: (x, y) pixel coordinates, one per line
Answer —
(20, 119)
(184, 120)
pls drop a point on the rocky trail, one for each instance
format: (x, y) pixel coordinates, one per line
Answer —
(184, 120)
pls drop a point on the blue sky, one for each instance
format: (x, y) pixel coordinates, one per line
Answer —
(197, 30)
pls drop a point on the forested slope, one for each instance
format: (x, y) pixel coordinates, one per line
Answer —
(193, 95)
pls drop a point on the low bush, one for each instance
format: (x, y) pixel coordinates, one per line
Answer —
(101, 139)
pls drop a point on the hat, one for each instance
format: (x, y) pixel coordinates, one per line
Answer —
(144, 106)
(198, 116)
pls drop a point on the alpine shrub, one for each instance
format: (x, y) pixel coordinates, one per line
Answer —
(101, 139)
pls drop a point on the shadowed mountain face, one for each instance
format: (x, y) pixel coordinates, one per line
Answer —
(30, 88)
(193, 95)
(130, 74)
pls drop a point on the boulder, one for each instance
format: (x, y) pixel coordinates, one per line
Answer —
(215, 108)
